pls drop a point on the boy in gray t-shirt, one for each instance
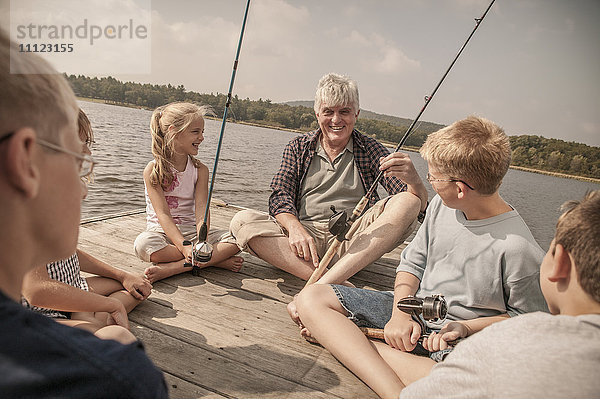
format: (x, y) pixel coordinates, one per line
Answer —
(473, 248)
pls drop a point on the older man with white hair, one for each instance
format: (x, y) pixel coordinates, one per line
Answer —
(334, 165)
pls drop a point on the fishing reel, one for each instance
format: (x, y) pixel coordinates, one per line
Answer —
(201, 252)
(431, 308)
(338, 224)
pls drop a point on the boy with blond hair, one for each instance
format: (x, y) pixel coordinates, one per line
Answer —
(472, 247)
(538, 355)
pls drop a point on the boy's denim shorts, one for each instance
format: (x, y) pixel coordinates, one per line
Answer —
(373, 309)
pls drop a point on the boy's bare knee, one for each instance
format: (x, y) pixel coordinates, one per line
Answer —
(313, 297)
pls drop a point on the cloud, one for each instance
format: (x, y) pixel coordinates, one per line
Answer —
(85, 37)
(351, 11)
(181, 50)
(276, 27)
(382, 55)
(469, 3)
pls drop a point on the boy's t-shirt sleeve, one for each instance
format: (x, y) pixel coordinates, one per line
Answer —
(414, 257)
(521, 277)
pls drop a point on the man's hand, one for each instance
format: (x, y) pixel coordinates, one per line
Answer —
(402, 333)
(450, 332)
(137, 285)
(302, 244)
(400, 165)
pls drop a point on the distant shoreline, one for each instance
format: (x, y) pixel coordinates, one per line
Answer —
(386, 143)
(556, 174)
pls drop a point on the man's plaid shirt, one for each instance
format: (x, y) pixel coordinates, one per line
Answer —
(297, 156)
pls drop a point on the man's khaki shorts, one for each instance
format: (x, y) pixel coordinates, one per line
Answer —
(250, 223)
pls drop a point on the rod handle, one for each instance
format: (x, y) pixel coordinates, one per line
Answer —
(374, 333)
(318, 272)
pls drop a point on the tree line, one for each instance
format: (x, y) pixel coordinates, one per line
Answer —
(529, 151)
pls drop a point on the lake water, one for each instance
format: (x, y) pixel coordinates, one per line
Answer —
(249, 158)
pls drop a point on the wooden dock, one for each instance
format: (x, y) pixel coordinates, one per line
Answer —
(227, 334)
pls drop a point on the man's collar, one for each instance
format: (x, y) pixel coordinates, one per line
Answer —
(349, 146)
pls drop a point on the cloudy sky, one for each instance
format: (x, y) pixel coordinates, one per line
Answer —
(533, 66)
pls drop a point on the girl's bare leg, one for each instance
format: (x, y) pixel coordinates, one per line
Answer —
(160, 271)
(114, 289)
(168, 263)
(83, 320)
(168, 254)
(408, 367)
(223, 256)
(117, 333)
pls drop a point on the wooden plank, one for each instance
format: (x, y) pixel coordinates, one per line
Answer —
(251, 340)
(213, 372)
(179, 388)
(225, 334)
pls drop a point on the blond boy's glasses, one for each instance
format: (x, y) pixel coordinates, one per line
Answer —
(431, 179)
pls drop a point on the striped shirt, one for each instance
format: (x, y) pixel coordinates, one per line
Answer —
(298, 155)
(66, 271)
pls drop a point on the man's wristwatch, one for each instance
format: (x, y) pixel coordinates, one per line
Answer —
(421, 215)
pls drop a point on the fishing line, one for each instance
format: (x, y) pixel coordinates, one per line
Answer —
(203, 250)
(430, 97)
(340, 224)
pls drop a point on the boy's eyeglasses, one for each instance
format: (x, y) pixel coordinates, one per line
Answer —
(432, 179)
(86, 162)
(6, 136)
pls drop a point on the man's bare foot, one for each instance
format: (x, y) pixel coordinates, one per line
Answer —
(160, 271)
(233, 263)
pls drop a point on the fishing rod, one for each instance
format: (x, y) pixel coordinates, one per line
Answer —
(339, 224)
(202, 251)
